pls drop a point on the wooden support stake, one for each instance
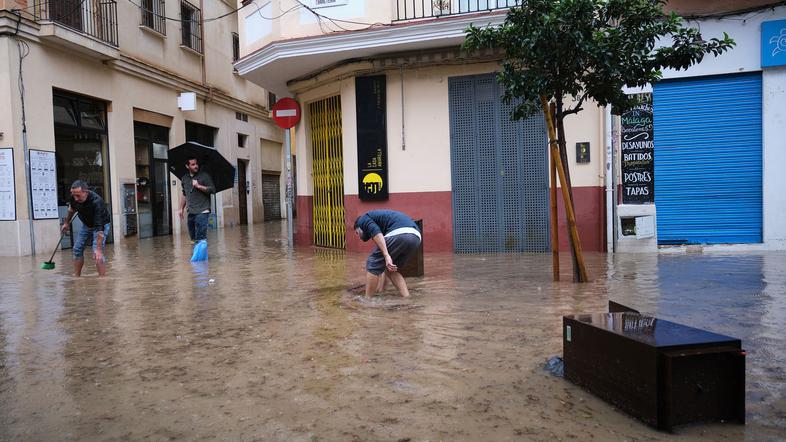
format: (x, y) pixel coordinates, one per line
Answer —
(555, 156)
(554, 218)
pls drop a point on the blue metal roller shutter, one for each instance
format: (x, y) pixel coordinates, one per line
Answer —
(708, 159)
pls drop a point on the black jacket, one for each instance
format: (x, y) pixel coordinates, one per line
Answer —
(93, 212)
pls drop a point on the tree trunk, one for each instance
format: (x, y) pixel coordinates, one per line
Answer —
(570, 214)
(563, 152)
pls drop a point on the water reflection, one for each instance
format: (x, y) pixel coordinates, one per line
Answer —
(265, 342)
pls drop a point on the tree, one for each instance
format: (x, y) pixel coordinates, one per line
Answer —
(561, 54)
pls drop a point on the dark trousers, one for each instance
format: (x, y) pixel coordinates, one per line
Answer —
(197, 226)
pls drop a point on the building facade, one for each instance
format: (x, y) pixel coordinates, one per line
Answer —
(101, 90)
(396, 115)
(718, 145)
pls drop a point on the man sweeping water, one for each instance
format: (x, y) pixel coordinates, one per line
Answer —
(94, 215)
(397, 238)
(197, 188)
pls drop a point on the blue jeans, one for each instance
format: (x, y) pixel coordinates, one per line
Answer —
(197, 226)
(91, 234)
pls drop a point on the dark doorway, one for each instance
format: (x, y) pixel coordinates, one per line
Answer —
(271, 196)
(81, 149)
(242, 192)
(154, 213)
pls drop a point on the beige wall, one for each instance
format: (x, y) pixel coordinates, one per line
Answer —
(50, 67)
(424, 164)
(259, 32)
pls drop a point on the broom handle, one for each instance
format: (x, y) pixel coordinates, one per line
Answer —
(61, 239)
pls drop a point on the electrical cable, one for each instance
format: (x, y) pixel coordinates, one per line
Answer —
(321, 17)
(211, 19)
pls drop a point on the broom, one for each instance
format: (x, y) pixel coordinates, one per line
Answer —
(50, 265)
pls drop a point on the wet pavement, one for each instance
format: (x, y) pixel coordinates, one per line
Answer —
(263, 343)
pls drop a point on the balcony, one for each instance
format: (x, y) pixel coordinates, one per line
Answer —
(292, 51)
(88, 27)
(420, 9)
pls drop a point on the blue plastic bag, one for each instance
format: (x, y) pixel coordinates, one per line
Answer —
(200, 251)
(556, 366)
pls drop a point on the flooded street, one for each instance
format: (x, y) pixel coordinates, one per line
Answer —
(262, 343)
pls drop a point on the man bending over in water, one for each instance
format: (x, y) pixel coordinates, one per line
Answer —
(397, 238)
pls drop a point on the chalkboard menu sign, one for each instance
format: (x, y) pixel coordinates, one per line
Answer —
(372, 138)
(638, 151)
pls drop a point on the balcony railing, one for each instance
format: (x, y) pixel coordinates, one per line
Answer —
(417, 9)
(96, 18)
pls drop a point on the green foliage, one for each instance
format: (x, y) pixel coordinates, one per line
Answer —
(589, 49)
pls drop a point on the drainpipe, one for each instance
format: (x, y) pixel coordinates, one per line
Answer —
(204, 43)
(29, 186)
(403, 137)
(607, 121)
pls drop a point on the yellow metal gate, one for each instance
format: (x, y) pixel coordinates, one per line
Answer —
(329, 226)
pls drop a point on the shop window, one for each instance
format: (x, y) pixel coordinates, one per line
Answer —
(64, 112)
(81, 147)
(92, 116)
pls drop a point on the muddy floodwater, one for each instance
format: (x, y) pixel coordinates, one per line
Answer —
(264, 343)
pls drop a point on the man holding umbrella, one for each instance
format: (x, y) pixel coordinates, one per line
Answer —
(197, 188)
(202, 171)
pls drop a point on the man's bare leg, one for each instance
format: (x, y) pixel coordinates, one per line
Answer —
(372, 283)
(78, 263)
(101, 266)
(382, 282)
(398, 280)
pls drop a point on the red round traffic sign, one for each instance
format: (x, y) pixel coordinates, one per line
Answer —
(286, 113)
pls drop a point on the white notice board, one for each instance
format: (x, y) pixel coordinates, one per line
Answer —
(43, 180)
(7, 188)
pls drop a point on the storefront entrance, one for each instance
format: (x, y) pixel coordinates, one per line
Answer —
(154, 212)
(81, 149)
(499, 171)
(328, 154)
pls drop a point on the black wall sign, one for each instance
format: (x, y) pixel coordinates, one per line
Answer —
(638, 152)
(582, 153)
(372, 138)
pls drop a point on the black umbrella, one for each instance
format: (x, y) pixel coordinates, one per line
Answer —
(212, 162)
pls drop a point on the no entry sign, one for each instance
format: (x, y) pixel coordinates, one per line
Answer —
(286, 113)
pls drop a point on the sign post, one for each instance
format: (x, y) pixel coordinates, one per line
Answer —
(286, 114)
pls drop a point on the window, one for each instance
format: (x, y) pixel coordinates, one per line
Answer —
(235, 47)
(241, 140)
(153, 15)
(271, 100)
(200, 133)
(241, 116)
(191, 26)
